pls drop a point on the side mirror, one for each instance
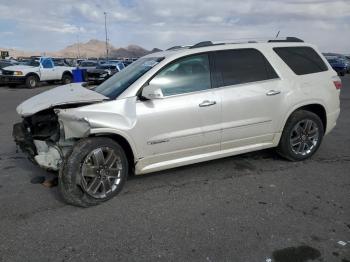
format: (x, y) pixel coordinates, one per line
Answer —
(151, 92)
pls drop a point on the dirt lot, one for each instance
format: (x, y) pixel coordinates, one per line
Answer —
(248, 208)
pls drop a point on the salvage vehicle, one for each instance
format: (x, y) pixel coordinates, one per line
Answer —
(34, 71)
(101, 73)
(179, 107)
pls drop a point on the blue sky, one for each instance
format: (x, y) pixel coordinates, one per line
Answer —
(49, 25)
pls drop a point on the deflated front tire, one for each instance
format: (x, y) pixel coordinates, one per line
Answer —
(94, 172)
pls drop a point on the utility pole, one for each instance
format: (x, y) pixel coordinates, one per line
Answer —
(105, 13)
(78, 45)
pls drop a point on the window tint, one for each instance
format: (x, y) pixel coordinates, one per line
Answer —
(242, 66)
(47, 63)
(302, 60)
(186, 75)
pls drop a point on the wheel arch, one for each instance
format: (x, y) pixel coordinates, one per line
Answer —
(32, 74)
(123, 141)
(67, 72)
(314, 107)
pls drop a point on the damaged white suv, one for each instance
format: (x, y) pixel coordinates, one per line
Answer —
(178, 107)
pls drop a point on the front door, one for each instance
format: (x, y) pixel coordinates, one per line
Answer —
(186, 122)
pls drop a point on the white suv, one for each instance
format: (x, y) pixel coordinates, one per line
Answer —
(178, 107)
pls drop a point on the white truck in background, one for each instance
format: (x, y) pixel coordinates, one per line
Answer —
(34, 71)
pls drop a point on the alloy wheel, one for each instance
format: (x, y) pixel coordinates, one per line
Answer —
(101, 172)
(304, 137)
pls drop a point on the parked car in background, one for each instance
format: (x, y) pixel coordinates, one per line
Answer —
(180, 107)
(34, 71)
(60, 62)
(88, 64)
(120, 65)
(5, 63)
(101, 73)
(340, 65)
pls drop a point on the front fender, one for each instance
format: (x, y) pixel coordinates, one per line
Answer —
(108, 131)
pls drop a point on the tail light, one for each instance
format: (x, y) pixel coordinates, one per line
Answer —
(337, 84)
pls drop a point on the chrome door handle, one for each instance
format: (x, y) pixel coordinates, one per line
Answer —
(207, 103)
(273, 93)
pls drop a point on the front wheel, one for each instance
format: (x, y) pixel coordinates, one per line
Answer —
(302, 136)
(67, 79)
(32, 81)
(94, 172)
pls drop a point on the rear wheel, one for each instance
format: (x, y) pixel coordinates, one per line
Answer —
(302, 136)
(32, 81)
(95, 171)
(67, 79)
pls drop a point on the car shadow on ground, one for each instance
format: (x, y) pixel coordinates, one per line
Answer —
(240, 165)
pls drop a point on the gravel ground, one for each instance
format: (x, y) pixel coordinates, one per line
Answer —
(253, 207)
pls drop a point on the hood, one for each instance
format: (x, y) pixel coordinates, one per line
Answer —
(17, 67)
(62, 95)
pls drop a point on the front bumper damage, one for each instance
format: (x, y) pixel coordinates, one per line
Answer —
(48, 148)
(43, 153)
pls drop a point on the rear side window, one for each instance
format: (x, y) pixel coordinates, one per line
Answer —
(302, 59)
(241, 66)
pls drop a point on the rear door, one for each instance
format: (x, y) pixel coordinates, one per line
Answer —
(186, 122)
(251, 95)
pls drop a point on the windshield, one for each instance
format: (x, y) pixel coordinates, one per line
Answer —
(32, 63)
(117, 84)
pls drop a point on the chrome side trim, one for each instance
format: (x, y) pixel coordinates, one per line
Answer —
(154, 142)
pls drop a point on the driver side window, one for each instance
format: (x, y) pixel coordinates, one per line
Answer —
(189, 74)
(47, 63)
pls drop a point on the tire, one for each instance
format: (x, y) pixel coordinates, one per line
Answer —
(67, 79)
(80, 175)
(32, 81)
(296, 131)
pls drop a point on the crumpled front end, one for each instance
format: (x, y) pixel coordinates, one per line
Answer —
(41, 138)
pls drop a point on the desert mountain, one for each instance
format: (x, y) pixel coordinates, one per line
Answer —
(92, 48)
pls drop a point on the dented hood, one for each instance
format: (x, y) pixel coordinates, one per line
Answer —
(62, 95)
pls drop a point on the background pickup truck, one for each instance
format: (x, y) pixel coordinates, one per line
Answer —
(35, 71)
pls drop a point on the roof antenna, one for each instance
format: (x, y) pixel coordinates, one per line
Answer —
(277, 34)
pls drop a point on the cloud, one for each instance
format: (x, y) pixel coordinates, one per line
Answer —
(164, 23)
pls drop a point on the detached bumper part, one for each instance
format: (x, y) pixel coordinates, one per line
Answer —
(48, 157)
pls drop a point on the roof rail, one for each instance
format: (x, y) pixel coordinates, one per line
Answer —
(177, 47)
(174, 47)
(288, 39)
(202, 44)
(237, 41)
